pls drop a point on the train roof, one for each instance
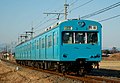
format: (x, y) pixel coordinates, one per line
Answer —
(55, 26)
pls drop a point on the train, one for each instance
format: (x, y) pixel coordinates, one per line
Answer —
(72, 45)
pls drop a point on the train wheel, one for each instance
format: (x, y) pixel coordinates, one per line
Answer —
(81, 72)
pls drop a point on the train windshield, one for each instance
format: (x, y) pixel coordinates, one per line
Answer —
(79, 37)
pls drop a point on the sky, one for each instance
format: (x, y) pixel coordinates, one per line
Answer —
(18, 16)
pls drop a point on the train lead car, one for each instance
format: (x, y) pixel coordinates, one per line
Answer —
(70, 46)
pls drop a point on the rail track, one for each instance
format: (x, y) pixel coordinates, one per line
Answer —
(85, 79)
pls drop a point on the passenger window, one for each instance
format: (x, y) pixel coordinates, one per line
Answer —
(92, 38)
(67, 37)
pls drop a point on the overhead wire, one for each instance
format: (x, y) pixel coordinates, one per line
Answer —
(40, 20)
(86, 16)
(36, 26)
(81, 5)
(101, 10)
(42, 23)
(73, 2)
(109, 18)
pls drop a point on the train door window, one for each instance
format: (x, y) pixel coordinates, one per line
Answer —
(49, 41)
(46, 41)
(43, 43)
(33, 45)
(92, 38)
(67, 37)
(79, 37)
(24, 49)
(37, 44)
(21, 52)
(30, 48)
(27, 51)
(55, 39)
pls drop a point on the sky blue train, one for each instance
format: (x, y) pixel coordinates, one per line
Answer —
(69, 46)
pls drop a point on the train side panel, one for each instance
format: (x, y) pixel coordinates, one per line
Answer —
(42, 47)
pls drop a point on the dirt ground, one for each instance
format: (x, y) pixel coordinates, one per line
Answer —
(8, 74)
(111, 62)
(113, 65)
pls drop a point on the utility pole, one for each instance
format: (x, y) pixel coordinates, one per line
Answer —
(65, 11)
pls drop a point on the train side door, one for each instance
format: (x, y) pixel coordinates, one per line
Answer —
(39, 48)
(45, 47)
(35, 49)
(55, 45)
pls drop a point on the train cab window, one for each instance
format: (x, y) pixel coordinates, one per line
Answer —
(67, 37)
(92, 38)
(79, 37)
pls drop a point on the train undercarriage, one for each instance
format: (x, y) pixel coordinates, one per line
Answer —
(79, 67)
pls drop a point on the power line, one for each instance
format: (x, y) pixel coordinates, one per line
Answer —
(101, 11)
(109, 18)
(61, 11)
(73, 2)
(42, 23)
(81, 5)
(48, 25)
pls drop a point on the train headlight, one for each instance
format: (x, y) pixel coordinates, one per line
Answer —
(95, 56)
(93, 28)
(67, 28)
(65, 55)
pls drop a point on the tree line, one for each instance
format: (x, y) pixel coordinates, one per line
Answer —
(112, 51)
